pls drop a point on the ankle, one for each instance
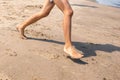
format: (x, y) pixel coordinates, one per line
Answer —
(20, 26)
(67, 46)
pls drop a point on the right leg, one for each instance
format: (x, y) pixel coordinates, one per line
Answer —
(65, 7)
(43, 13)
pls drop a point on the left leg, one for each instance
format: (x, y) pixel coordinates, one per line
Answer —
(47, 7)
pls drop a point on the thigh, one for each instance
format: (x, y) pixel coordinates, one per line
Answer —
(47, 6)
(62, 4)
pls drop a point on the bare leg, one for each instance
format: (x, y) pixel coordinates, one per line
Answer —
(43, 13)
(65, 7)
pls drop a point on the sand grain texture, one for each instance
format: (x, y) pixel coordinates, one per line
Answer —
(95, 32)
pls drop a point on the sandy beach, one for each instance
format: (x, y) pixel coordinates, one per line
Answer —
(95, 32)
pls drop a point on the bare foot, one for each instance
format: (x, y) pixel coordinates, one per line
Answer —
(73, 52)
(21, 31)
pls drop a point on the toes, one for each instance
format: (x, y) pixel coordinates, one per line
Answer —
(22, 36)
(81, 56)
(78, 56)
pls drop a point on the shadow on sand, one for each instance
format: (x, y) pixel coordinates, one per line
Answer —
(78, 61)
(88, 49)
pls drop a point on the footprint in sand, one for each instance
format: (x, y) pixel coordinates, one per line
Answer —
(10, 52)
(37, 78)
(49, 56)
(9, 17)
(38, 34)
(33, 6)
(4, 77)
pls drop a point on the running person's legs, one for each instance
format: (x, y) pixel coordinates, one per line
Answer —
(43, 13)
(65, 7)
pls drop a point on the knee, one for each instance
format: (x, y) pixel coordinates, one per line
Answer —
(45, 14)
(42, 14)
(68, 12)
